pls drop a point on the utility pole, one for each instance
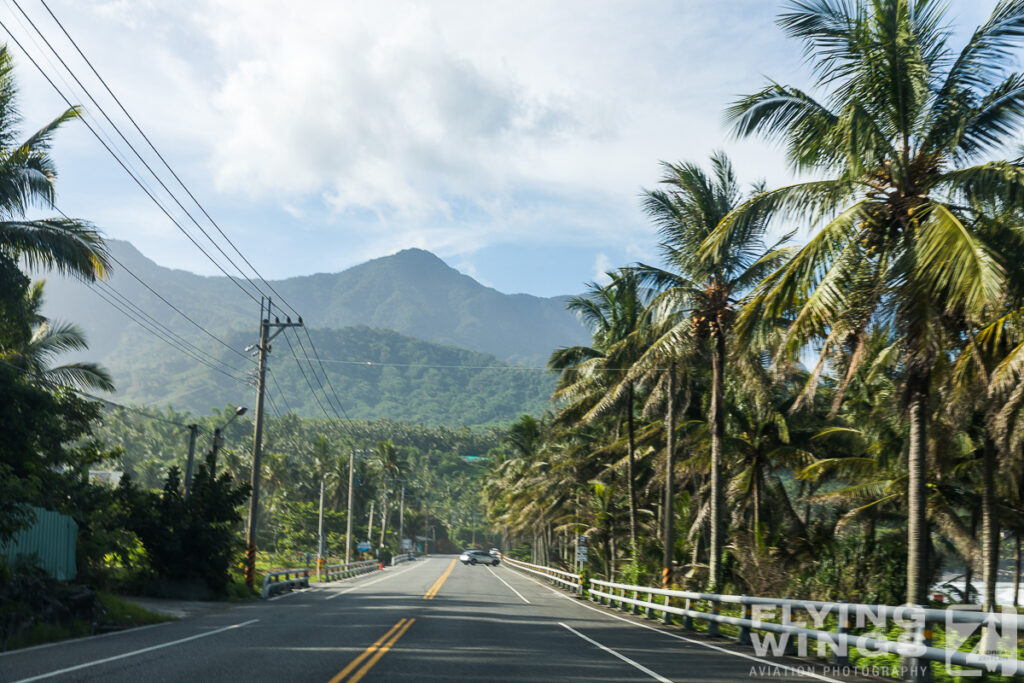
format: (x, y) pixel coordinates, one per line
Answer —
(401, 520)
(320, 534)
(348, 517)
(369, 533)
(193, 432)
(257, 439)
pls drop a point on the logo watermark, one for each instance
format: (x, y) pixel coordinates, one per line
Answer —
(992, 641)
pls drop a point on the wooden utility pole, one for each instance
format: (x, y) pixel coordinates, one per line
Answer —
(193, 432)
(257, 439)
(348, 517)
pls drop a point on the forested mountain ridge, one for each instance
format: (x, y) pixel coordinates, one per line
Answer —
(401, 313)
(412, 292)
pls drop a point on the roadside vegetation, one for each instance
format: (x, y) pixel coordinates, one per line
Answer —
(844, 410)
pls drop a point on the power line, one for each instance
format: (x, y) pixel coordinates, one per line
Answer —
(117, 130)
(159, 325)
(124, 166)
(92, 396)
(168, 340)
(161, 157)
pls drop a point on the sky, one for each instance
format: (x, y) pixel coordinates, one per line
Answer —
(512, 139)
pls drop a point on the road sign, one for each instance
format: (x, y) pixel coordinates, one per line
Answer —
(581, 553)
(406, 544)
(364, 547)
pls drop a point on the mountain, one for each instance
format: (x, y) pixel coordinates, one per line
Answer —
(409, 309)
(372, 374)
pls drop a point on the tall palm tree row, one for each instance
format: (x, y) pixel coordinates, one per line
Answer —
(908, 291)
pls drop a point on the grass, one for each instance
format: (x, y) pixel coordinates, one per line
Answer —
(117, 614)
(121, 613)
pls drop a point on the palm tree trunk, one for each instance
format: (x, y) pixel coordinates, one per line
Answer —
(668, 509)
(383, 520)
(1016, 569)
(757, 502)
(969, 562)
(917, 522)
(631, 471)
(989, 524)
(717, 420)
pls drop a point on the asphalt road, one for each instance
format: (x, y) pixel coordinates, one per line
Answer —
(429, 620)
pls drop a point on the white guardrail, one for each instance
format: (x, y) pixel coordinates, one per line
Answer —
(404, 557)
(284, 579)
(573, 582)
(288, 579)
(334, 572)
(996, 651)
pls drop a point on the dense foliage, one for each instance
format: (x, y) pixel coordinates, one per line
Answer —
(906, 430)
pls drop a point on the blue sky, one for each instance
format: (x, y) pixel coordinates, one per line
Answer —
(510, 138)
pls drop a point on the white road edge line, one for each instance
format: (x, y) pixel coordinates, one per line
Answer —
(134, 652)
(784, 667)
(621, 656)
(284, 595)
(509, 586)
(72, 641)
(368, 583)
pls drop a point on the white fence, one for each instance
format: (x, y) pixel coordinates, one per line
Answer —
(995, 652)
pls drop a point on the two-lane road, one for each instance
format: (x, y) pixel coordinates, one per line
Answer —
(433, 619)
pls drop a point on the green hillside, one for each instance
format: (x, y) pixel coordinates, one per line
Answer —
(377, 374)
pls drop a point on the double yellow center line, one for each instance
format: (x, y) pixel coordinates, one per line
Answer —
(374, 653)
(432, 591)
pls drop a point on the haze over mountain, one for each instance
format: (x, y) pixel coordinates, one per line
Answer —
(405, 311)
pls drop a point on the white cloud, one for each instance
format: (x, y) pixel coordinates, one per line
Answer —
(602, 265)
(452, 126)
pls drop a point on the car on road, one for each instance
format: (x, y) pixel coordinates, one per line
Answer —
(478, 557)
(494, 552)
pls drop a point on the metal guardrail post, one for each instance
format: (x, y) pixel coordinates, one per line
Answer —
(840, 652)
(623, 605)
(649, 611)
(743, 636)
(636, 607)
(920, 668)
(687, 619)
(712, 624)
(790, 648)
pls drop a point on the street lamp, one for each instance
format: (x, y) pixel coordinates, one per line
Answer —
(218, 438)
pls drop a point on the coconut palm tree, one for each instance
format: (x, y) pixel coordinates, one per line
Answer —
(707, 290)
(49, 339)
(27, 178)
(590, 382)
(899, 133)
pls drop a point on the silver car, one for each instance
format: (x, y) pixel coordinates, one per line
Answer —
(478, 557)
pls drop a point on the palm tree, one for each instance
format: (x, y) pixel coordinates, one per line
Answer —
(616, 314)
(708, 290)
(902, 120)
(50, 338)
(27, 178)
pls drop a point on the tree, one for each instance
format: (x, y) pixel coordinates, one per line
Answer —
(708, 287)
(902, 119)
(616, 314)
(27, 178)
(51, 338)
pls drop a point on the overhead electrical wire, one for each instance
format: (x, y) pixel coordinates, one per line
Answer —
(168, 340)
(117, 130)
(161, 157)
(124, 166)
(93, 396)
(127, 166)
